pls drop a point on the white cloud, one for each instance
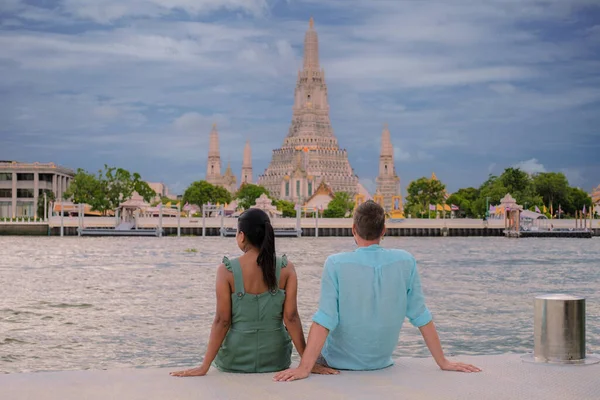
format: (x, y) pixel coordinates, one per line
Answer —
(400, 154)
(107, 11)
(503, 88)
(434, 81)
(531, 166)
(369, 184)
(574, 176)
(422, 155)
(108, 112)
(195, 122)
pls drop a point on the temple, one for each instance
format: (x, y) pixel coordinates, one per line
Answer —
(310, 153)
(246, 176)
(596, 196)
(309, 168)
(388, 182)
(213, 167)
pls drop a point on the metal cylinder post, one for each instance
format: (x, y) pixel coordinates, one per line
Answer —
(203, 221)
(559, 330)
(45, 207)
(178, 219)
(62, 220)
(298, 217)
(222, 212)
(79, 219)
(160, 217)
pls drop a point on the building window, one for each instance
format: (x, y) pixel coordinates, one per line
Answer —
(24, 209)
(246, 178)
(6, 193)
(297, 188)
(25, 193)
(5, 176)
(287, 189)
(386, 169)
(24, 177)
(5, 209)
(212, 169)
(310, 188)
(45, 178)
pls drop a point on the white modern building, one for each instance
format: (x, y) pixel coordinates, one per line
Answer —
(22, 184)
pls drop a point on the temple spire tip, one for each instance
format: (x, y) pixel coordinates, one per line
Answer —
(311, 22)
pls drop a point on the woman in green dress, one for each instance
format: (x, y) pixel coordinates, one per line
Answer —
(257, 317)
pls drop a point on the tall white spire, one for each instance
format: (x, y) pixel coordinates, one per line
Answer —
(388, 183)
(247, 165)
(311, 47)
(213, 167)
(386, 144)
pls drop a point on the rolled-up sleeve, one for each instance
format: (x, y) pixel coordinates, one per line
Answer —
(328, 313)
(416, 310)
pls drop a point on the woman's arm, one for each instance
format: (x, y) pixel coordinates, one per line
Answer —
(291, 318)
(220, 325)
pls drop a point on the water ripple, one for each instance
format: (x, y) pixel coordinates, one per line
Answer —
(98, 303)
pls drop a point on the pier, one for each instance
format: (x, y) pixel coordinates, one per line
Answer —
(309, 227)
(504, 377)
(325, 227)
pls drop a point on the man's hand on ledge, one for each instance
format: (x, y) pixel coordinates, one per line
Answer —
(294, 374)
(447, 365)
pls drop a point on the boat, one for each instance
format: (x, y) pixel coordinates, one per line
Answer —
(123, 229)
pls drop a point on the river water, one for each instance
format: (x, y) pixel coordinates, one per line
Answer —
(100, 303)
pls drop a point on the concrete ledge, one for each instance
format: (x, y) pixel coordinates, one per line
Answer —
(24, 229)
(503, 377)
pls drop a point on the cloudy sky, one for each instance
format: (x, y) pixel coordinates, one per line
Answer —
(467, 87)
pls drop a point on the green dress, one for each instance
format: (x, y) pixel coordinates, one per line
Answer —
(257, 340)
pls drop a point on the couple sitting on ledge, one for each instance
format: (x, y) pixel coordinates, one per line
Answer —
(365, 296)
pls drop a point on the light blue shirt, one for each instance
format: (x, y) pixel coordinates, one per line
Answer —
(365, 296)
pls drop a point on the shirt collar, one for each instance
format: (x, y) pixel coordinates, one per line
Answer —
(369, 248)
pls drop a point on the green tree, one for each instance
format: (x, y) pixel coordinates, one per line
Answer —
(107, 190)
(577, 198)
(89, 189)
(221, 195)
(490, 192)
(120, 185)
(520, 185)
(339, 206)
(202, 192)
(464, 199)
(422, 192)
(515, 180)
(553, 187)
(40, 205)
(287, 208)
(248, 193)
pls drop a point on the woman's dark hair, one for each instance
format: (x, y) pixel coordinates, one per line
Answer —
(257, 228)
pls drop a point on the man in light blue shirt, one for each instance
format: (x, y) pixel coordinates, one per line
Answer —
(365, 297)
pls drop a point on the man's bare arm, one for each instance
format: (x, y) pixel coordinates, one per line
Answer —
(432, 340)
